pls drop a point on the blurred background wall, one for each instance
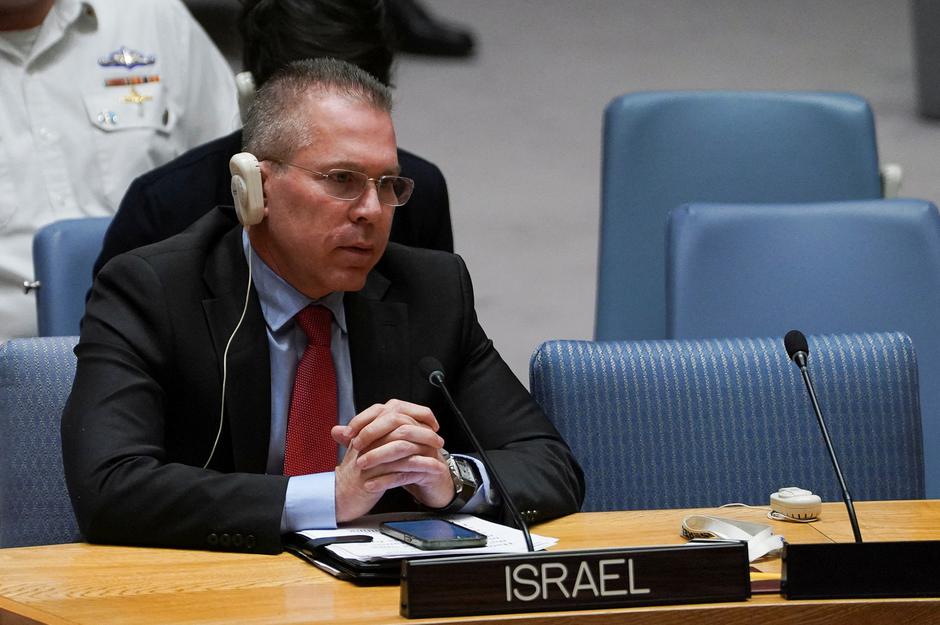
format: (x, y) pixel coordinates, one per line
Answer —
(516, 128)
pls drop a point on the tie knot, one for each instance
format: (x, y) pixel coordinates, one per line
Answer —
(316, 322)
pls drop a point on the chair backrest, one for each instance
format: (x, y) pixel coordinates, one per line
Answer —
(664, 424)
(664, 149)
(64, 254)
(35, 379)
(760, 270)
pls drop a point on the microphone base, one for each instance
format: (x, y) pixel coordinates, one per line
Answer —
(860, 570)
(574, 580)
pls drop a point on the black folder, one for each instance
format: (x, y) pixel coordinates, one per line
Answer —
(314, 551)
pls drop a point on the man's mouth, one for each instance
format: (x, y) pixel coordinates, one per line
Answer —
(356, 249)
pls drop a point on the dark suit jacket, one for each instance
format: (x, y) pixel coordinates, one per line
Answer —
(144, 408)
(166, 200)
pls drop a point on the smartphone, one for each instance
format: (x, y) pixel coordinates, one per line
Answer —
(433, 534)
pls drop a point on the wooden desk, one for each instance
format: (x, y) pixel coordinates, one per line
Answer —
(99, 585)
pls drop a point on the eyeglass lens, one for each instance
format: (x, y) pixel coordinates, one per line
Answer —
(349, 185)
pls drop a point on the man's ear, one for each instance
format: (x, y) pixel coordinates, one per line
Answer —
(266, 172)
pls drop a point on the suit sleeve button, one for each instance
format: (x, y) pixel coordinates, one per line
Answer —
(225, 540)
(212, 539)
(250, 541)
(238, 540)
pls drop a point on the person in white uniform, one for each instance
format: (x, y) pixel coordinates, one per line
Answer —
(94, 93)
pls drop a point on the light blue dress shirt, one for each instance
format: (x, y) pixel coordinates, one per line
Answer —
(310, 501)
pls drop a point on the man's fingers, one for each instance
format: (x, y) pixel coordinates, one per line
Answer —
(416, 412)
(381, 427)
(364, 418)
(341, 435)
(409, 432)
(418, 470)
(394, 452)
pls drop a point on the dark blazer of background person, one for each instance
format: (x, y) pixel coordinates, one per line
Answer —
(144, 409)
(165, 201)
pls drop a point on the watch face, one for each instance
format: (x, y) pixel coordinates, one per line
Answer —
(466, 471)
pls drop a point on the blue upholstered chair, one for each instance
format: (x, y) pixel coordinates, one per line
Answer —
(664, 149)
(663, 424)
(759, 270)
(35, 378)
(64, 254)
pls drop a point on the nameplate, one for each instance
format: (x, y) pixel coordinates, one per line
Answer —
(860, 570)
(574, 580)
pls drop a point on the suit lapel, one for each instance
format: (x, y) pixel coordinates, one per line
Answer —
(378, 343)
(378, 346)
(248, 384)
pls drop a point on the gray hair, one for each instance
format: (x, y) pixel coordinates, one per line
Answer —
(276, 126)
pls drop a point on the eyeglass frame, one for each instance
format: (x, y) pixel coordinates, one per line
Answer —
(376, 181)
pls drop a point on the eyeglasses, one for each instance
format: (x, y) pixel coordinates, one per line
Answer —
(343, 184)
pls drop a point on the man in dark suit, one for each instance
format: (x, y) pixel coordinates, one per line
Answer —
(193, 402)
(166, 200)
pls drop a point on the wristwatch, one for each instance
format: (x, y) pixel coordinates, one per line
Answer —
(466, 481)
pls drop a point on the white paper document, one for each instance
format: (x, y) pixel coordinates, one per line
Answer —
(499, 539)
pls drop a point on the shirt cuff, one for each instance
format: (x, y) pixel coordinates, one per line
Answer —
(485, 498)
(310, 503)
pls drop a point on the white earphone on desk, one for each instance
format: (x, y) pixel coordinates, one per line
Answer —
(795, 504)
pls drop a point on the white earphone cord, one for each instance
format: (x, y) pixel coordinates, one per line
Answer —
(218, 434)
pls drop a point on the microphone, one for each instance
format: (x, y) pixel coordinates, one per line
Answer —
(798, 351)
(433, 370)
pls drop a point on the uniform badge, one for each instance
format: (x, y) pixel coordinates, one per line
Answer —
(136, 98)
(131, 80)
(125, 57)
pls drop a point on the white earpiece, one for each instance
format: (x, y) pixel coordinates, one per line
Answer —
(246, 188)
(794, 503)
(249, 205)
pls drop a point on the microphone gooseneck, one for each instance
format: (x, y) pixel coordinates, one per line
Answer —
(798, 351)
(433, 370)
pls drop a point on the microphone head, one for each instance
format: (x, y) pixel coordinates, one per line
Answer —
(795, 343)
(432, 369)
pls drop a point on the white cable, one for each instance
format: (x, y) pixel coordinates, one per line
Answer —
(218, 434)
(771, 514)
(743, 505)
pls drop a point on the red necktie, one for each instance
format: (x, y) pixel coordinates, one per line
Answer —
(309, 447)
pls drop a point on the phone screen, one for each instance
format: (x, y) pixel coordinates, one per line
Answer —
(433, 534)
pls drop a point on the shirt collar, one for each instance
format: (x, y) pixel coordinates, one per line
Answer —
(60, 17)
(280, 302)
(68, 11)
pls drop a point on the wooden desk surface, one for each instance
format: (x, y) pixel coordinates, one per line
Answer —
(100, 585)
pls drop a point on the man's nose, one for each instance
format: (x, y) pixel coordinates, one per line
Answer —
(368, 206)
